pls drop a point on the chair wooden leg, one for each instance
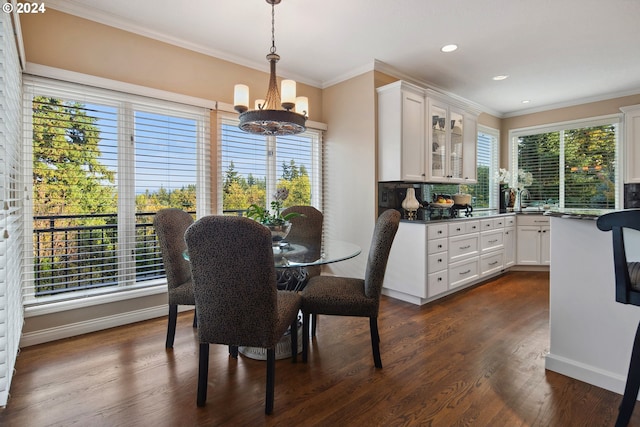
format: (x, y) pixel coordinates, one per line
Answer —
(171, 325)
(233, 351)
(271, 371)
(195, 319)
(375, 341)
(203, 374)
(632, 386)
(294, 340)
(314, 320)
(305, 336)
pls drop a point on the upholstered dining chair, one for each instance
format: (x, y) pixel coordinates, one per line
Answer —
(346, 296)
(627, 285)
(170, 225)
(237, 301)
(307, 230)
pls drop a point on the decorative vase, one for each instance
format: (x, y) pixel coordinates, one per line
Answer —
(410, 204)
(278, 232)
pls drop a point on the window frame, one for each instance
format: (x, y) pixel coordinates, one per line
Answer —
(610, 119)
(272, 170)
(109, 92)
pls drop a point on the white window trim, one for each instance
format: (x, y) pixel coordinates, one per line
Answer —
(70, 80)
(617, 118)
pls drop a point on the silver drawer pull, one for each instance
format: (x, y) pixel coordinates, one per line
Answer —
(544, 222)
(462, 273)
(465, 247)
(493, 263)
(493, 241)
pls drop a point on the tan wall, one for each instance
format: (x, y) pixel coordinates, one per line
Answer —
(350, 166)
(65, 41)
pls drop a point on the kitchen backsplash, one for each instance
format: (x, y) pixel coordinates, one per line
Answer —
(631, 196)
(391, 194)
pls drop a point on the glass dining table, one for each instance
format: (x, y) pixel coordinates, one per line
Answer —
(291, 260)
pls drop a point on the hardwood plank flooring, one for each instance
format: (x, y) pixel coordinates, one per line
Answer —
(472, 359)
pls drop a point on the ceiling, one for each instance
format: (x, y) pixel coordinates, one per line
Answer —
(555, 52)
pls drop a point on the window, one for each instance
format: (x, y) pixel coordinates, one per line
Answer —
(573, 164)
(103, 163)
(253, 167)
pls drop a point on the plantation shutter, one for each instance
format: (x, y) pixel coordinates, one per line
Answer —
(486, 189)
(103, 163)
(12, 199)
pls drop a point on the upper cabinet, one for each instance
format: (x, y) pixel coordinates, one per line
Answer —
(632, 143)
(424, 136)
(401, 115)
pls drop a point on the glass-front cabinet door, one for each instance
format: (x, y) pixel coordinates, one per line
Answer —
(438, 145)
(456, 123)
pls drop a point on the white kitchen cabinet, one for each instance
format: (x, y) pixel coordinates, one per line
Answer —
(533, 242)
(509, 241)
(401, 132)
(451, 142)
(425, 138)
(631, 145)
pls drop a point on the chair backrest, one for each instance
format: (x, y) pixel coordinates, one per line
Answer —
(170, 225)
(627, 274)
(307, 230)
(234, 281)
(383, 235)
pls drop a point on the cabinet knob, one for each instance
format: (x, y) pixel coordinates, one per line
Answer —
(439, 279)
(458, 229)
(439, 246)
(439, 259)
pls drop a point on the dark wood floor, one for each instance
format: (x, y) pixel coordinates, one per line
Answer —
(473, 359)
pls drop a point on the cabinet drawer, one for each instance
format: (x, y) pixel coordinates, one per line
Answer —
(472, 226)
(463, 272)
(498, 222)
(457, 228)
(531, 219)
(437, 262)
(491, 240)
(437, 283)
(486, 224)
(491, 263)
(463, 246)
(436, 231)
(437, 245)
(510, 221)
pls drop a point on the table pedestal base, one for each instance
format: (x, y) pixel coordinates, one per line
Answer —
(283, 348)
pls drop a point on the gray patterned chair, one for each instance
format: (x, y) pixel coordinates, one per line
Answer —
(345, 296)
(627, 285)
(170, 225)
(237, 302)
(307, 230)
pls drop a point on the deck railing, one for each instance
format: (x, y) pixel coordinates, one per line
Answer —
(79, 252)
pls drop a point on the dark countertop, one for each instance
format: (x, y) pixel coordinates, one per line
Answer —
(591, 214)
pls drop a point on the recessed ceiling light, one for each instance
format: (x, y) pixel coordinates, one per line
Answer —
(500, 77)
(449, 48)
(526, 101)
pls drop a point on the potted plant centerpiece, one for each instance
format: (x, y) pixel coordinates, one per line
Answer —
(277, 223)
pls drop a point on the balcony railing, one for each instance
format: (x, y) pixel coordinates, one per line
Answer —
(79, 252)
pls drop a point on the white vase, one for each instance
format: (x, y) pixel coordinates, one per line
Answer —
(410, 204)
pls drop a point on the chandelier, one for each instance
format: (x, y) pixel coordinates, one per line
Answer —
(267, 118)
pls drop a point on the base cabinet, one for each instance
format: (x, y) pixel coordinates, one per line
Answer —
(429, 261)
(533, 242)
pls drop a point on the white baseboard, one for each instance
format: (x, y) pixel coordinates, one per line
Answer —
(93, 325)
(586, 373)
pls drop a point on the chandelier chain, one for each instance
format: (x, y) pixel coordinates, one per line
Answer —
(273, 28)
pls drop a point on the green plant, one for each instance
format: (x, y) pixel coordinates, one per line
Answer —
(264, 216)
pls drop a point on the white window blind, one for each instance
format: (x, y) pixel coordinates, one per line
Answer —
(103, 163)
(252, 168)
(12, 197)
(573, 164)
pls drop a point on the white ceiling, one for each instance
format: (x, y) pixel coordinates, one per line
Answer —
(556, 52)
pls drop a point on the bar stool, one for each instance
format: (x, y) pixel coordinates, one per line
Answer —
(627, 277)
